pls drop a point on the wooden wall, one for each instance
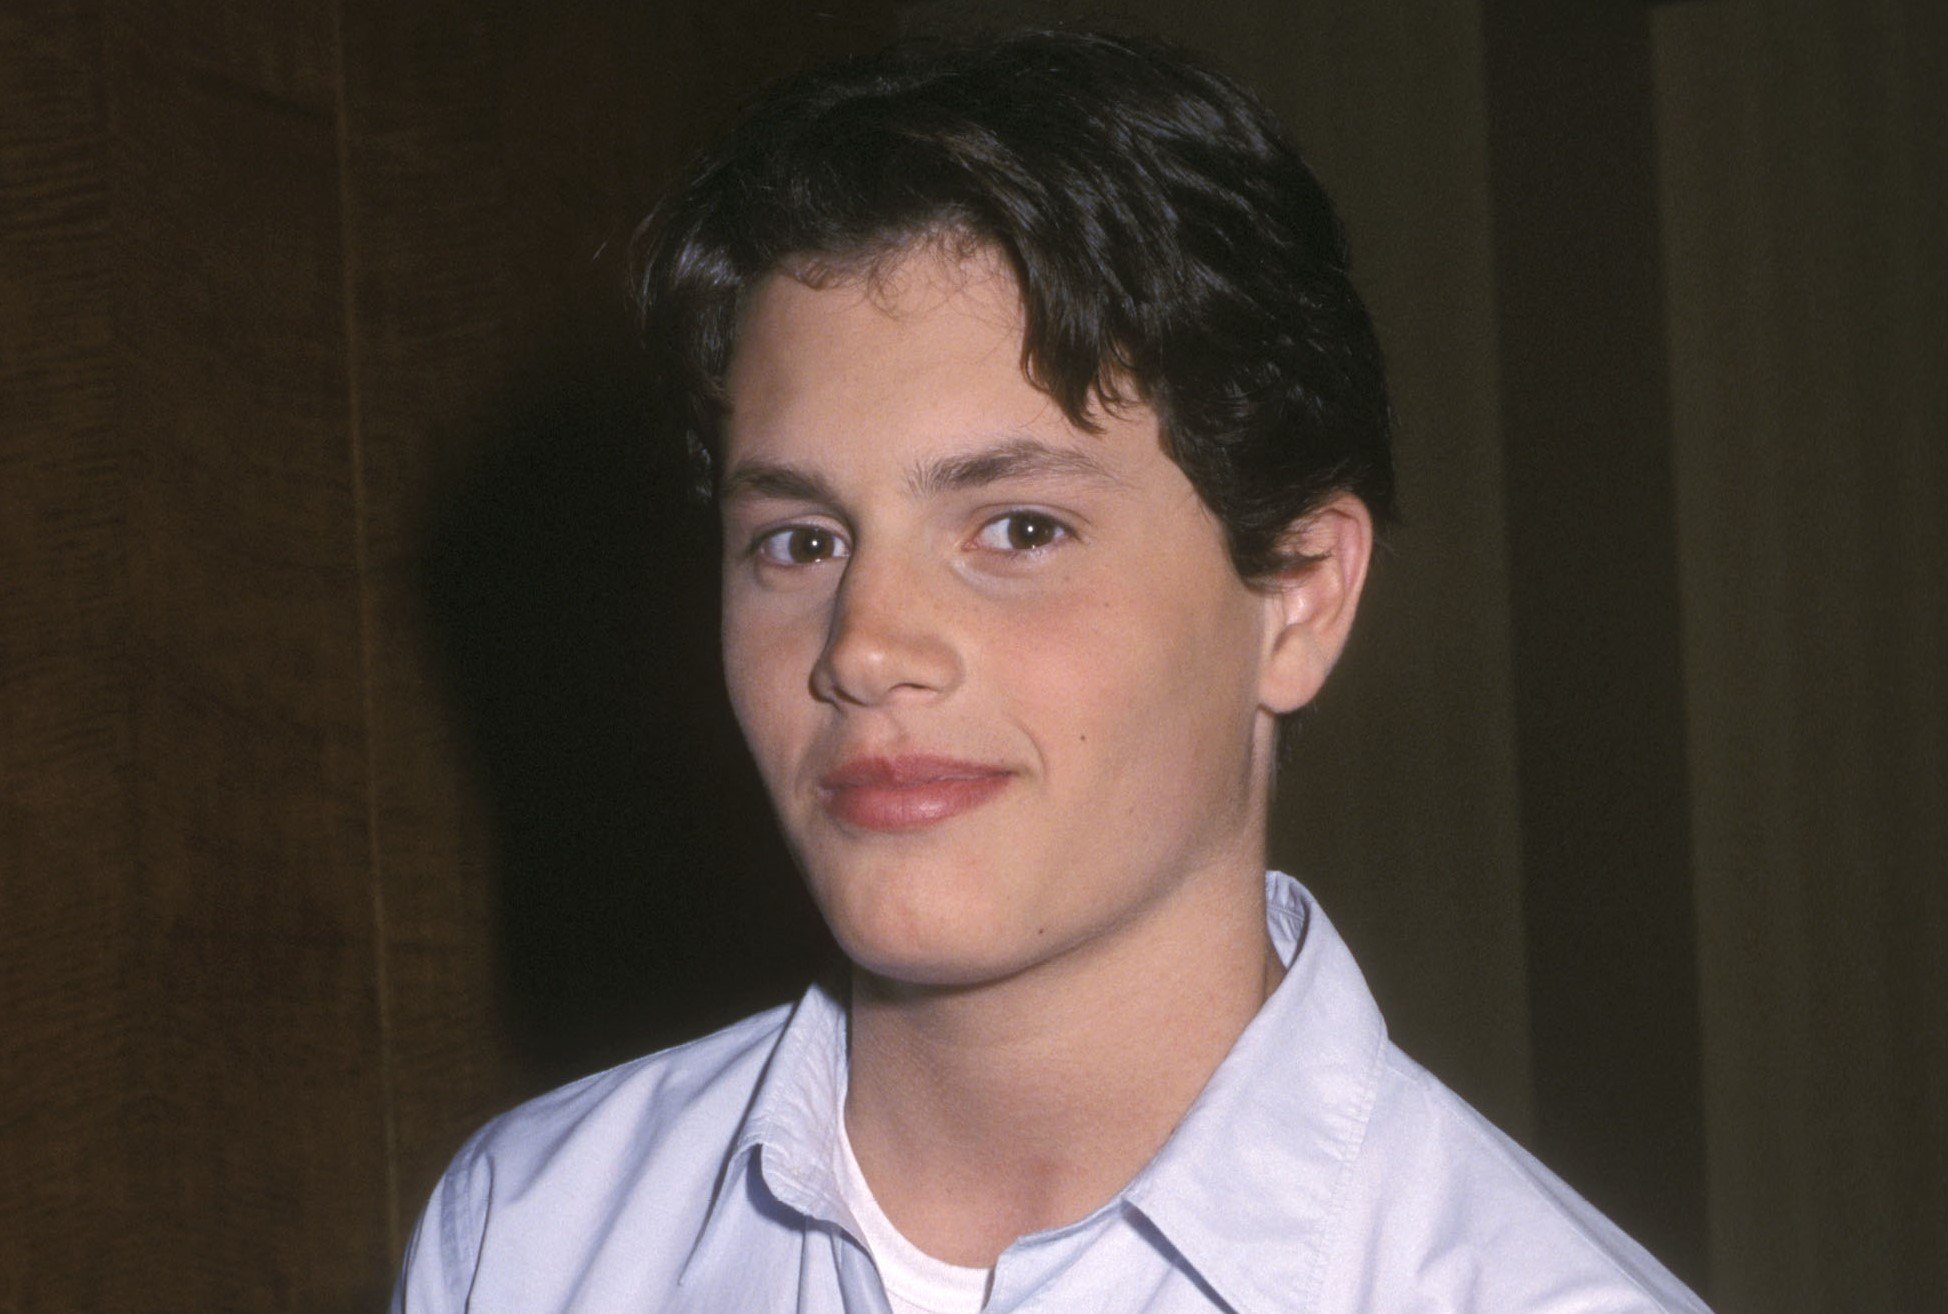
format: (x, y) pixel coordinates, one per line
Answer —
(1805, 201)
(268, 275)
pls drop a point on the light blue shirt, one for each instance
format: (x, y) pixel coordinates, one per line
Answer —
(1321, 1170)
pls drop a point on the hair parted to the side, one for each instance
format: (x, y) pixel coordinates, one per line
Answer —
(1169, 243)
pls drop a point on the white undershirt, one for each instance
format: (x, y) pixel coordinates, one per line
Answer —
(916, 1282)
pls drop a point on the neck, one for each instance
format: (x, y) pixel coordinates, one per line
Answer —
(980, 1114)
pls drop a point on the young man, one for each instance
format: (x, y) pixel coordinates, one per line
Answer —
(1049, 437)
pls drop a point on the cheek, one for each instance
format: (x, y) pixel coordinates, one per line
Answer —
(765, 673)
(1132, 670)
(1087, 668)
(1051, 653)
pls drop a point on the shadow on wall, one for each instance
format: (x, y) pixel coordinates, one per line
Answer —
(571, 588)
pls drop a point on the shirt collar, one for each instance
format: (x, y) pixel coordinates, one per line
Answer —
(789, 1133)
(1246, 1187)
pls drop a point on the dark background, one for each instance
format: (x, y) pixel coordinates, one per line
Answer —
(363, 761)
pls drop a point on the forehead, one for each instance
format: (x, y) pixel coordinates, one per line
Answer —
(910, 378)
(871, 340)
(909, 366)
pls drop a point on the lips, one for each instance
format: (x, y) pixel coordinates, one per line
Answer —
(908, 792)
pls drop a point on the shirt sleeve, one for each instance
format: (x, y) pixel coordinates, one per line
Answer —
(444, 1253)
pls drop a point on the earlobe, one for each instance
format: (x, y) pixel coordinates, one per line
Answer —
(1311, 603)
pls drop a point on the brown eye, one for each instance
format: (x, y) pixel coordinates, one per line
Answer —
(800, 545)
(809, 545)
(1021, 531)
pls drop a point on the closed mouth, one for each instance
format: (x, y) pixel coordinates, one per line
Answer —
(908, 792)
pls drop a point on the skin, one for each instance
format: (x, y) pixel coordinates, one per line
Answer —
(924, 556)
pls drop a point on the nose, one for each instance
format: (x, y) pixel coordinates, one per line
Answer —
(888, 639)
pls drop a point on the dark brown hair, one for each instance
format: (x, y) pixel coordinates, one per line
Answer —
(1169, 243)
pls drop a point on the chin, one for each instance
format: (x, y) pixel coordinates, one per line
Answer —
(942, 971)
(918, 924)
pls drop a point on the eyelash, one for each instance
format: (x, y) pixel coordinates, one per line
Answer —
(1060, 532)
(783, 536)
(1063, 532)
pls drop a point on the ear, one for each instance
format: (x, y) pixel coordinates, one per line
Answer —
(1310, 605)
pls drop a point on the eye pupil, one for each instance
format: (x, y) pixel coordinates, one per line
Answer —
(1029, 532)
(810, 545)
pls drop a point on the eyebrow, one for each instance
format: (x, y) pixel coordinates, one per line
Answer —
(769, 479)
(1011, 458)
(1018, 457)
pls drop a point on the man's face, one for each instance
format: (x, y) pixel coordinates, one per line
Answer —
(998, 673)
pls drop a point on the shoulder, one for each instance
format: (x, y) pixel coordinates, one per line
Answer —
(631, 1111)
(1443, 1198)
(559, 1174)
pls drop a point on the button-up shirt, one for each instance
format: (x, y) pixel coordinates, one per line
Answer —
(1320, 1170)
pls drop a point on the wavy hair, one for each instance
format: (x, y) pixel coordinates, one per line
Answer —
(1169, 243)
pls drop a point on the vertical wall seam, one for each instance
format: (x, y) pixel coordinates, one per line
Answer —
(130, 935)
(1596, 616)
(361, 555)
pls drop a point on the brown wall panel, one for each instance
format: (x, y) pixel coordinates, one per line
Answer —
(253, 1140)
(1600, 714)
(427, 272)
(1804, 150)
(66, 857)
